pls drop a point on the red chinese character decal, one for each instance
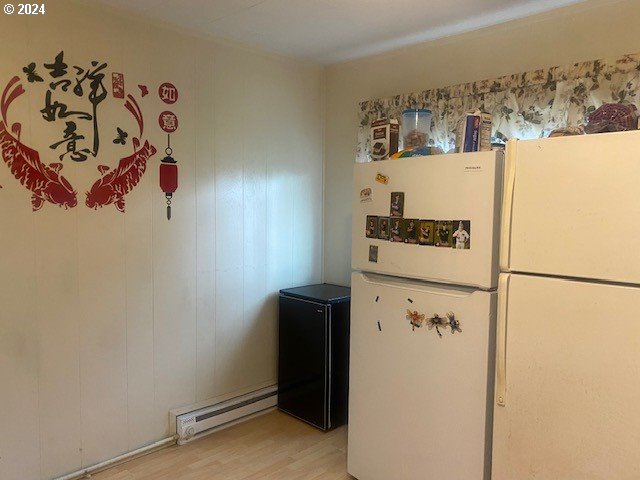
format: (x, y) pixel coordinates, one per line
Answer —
(168, 122)
(168, 93)
(117, 80)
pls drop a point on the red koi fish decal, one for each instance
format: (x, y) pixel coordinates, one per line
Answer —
(44, 181)
(112, 187)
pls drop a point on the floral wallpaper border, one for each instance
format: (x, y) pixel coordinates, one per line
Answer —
(525, 105)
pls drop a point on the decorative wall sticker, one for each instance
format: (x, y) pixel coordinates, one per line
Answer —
(415, 319)
(45, 182)
(121, 137)
(168, 122)
(112, 187)
(32, 76)
(117, 82)
(87, 78)
(169, 176)
(64, 87)
(168, 93)
(144, 91)
(453, 323)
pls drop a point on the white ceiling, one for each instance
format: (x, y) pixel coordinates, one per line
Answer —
(329, 31)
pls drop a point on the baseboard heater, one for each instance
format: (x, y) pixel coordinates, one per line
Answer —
(192, 425)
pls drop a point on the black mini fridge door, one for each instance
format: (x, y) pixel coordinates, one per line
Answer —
(303, 360)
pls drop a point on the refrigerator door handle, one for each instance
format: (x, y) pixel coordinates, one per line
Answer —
(507, 204)
(501, 340)
(417, 285)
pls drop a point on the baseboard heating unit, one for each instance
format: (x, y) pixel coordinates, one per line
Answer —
(192, 425)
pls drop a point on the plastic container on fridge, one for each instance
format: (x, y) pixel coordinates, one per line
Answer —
(416, 124)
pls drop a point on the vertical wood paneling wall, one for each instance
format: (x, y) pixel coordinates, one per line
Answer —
(109, 320)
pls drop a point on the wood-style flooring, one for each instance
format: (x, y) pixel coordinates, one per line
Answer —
(272, 446)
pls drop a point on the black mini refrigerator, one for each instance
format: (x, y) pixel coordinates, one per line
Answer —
(313, 358)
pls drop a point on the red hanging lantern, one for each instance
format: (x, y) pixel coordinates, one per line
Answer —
(169, 176)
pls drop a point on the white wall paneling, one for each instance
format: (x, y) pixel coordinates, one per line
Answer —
(110, 320)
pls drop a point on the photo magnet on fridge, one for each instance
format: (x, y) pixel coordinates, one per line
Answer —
(397, 205)
(372, 226)
(462, 234)
(373, 253)
(383, 228)
(396, 230)
(411, 230)
(425, 232)
(444, 232)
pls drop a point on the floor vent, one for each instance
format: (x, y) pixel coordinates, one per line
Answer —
(192, 425)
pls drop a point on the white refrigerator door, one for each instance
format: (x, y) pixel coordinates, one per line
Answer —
(571, 207)
(420, 406)
(568, 381)
(442, 187)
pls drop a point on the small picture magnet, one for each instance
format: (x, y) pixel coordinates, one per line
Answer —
(365, 195)
(397, 205)
(381, 178)
(426, 231)
(373, 253)
(462, 235)
(444, 233)
(383, 228)
(372, 226)
(410, 230)
(396, 230)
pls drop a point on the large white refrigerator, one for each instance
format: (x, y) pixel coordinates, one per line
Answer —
(567, 403)
(423, 319)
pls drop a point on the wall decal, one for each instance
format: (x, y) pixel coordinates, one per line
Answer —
(117, 81)
(64, 88)
(87, 78)
(144, 91)
(168, 93)
(45, 182)
(169, 176)
(168, 121)
(112, 187)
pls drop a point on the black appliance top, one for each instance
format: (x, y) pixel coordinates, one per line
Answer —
(322, 293)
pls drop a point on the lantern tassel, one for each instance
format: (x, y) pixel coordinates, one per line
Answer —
(169, 196)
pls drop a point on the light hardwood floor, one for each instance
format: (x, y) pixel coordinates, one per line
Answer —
(271, 447)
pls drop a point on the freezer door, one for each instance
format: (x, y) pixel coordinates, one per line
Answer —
(420, 404)
(568, 386)
(571, 207)
(442, 187)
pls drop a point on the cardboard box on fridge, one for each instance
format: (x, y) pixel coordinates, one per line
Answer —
(385, 135)
(474, 132)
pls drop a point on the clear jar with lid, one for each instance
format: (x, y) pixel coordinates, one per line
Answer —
(416, 124)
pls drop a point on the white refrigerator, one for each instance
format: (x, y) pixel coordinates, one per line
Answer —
(423, 313)
(567, 403)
